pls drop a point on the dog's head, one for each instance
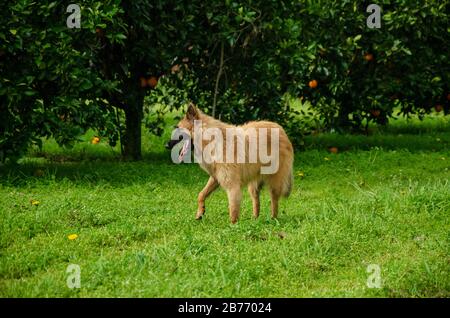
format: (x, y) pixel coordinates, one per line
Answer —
(184, 130)
(192, 113)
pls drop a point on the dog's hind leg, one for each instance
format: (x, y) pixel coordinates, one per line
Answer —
(275, 194)
(210, 186)
(234, 202)
(274, 198)
(253, 190)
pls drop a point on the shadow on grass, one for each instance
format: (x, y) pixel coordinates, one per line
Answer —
(414, 135)
(101, 166)
(154, 168)
(412, 143)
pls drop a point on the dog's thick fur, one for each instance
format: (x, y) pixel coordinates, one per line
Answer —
(234, 176)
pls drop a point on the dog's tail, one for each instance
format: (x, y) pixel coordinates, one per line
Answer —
(288, 182)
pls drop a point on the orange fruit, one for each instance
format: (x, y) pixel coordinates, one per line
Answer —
(95, 140)
(152, 81)
(175, 69)
(99, 32)
(143, 81)
(313, 84)
(333, 149)
(438, 108)
(375, 112)
(368, 57)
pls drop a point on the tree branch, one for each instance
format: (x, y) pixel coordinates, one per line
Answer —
(219, 74)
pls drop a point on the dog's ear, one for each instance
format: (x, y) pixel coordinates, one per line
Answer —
(192, 112)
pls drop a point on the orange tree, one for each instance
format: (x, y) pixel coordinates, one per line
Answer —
(324, 51)
(364, 73)
(48, 86)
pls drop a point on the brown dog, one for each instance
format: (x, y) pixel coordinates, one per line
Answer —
(240, 168)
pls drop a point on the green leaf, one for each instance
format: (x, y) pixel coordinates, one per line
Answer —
(86, 85)
(436, 79)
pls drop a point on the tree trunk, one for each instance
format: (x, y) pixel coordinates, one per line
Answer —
(133, 120)
(343, 120)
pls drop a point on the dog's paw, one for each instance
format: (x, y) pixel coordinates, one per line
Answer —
(199, 215)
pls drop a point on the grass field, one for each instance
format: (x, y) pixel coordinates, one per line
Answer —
(384, 199)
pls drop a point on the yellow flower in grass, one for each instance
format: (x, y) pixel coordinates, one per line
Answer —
(34, 202)
(301, 174)
(326, 159)
(72, 237)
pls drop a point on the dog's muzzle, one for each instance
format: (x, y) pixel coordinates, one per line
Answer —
(172, 143)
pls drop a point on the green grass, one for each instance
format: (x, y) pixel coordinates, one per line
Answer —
(383, 199)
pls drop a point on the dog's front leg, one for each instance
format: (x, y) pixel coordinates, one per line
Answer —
(234, 202)
(210, 186)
